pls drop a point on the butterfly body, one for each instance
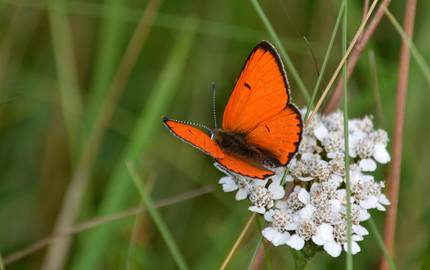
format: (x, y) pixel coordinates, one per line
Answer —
(237, 145)
(261, 128)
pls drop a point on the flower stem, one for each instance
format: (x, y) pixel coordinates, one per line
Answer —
(304, 256)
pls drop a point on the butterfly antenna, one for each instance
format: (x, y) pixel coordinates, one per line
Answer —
(214, 105)
(192, 124)
(314, 59)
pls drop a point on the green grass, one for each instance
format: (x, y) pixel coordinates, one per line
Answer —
(161, 225)
(374, 230)
(289, 64)
(116, 197)
(70, 94)
(58, 60)
(349, 260)
(325, 61)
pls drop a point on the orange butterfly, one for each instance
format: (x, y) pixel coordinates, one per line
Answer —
(261, 128)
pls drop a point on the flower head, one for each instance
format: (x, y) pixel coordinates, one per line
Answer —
(314, 207)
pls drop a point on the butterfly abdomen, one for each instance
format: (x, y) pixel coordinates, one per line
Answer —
(236, 144)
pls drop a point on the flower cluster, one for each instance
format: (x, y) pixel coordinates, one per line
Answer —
(306, 201)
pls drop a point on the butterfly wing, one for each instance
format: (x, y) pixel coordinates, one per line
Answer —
(260, 93)
(280, 135)
(194, 136)
(233, 164)
(259, 105)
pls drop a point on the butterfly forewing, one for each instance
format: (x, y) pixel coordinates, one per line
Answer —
(260, 93)
(195, 137)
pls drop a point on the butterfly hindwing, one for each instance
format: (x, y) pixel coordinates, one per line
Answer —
(194, 136)
(260, 93)
(279, 135)
(239, 166)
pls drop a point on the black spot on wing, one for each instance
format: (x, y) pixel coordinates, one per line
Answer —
(267, 127)
(247, 86)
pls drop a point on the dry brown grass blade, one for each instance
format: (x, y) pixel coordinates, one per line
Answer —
(100, 221)
(342, 62)
(355, 55)
(238, 241)
(58, 249)
(394, 173)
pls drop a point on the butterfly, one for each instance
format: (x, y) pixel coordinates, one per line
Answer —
(261, 128)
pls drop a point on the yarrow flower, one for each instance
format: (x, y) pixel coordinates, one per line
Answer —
(314, 208)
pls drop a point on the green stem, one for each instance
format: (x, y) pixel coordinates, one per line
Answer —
(303, 257)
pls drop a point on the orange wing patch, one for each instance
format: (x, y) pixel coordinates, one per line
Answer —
(260, 93)
(241, 167)
(279, 135)
(195, 137)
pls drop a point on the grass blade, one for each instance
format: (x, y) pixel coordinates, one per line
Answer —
(116, 195)
(414, 51)
(381, 244)
(71, 101)
(289, 64)
(255, 253)
(326, 57)
(394, 174)
(1, 263)
(237, 243)
(349, 262)
(343, 60)
(162, 227)
(107, 57)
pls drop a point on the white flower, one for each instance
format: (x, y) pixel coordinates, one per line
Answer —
(228, 184)
(263, 198)
(367, 165)
(321, 132)
(243, 185)
(381, 154)
(296, 242)
(307, 200)
(277, 238)
(324, 237)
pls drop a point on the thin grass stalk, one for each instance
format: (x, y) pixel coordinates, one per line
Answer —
(257, 255)
(355, 55)
(419, 59)
(349, 262)
(71, 104)
(289, 64)
(108, 54)
(342, 61)
(156, 217)
(326, 57)
(95, 222)
(265, 247)
(395, 168)
(115, 197)
(78, 183)
(133, 240)
(236, 244)
(70, 96)
(137, 225)
(1, 263)
(381, 244)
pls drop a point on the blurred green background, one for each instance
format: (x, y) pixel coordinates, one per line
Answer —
(59, 60)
